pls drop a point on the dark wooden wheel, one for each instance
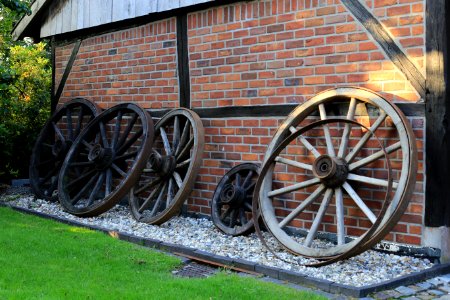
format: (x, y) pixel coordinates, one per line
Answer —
(330, 182)
(53, 142)
(231, 205)
(172, 167)
(105, 160)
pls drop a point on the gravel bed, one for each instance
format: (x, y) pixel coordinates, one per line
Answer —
(368, 268)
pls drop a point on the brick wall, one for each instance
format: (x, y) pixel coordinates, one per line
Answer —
(137, 64)
(255, 53)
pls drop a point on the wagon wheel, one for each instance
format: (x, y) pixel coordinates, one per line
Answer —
(171, 169)
(231, 204)
(54, 141)
(105, 160)
(329, 183)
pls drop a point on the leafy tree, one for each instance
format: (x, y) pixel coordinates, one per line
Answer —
(25, 81)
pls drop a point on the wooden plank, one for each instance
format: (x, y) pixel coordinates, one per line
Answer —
(80, 14)
(74, 16)
(86, 14)
(66, 12)
(392, 50)
(123, 9)
(58, 19)
(168, 5)
(144, 7)
(100, 12)
(437, 194)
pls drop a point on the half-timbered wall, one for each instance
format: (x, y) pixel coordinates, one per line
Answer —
(251, 54)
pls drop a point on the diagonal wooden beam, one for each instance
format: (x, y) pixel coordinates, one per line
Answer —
(67, 70)
(392, 50)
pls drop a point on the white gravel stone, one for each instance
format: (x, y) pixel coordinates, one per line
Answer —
(367, 268)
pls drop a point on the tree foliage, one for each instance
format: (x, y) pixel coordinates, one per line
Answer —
(25, 82)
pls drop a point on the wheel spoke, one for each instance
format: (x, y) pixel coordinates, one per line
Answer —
(58, 132)
(186, 149)
(366, 210)
(294, 187)
(176, 133)
(96, 188)
(349, 158)
(318, 219)
(373, 157)
(76, 181)
(51, 160)
(103, 135)
(298, 210)
(69, 124)
(225, 214)
(118, 170)
(149, 198)
(178, 179)
(158, 200)
(371, 180)
(148, 185)
(79, 121)
(116, 130)
(169, 193)
(238, 180)
(86, 144)
(84, 189)
(127, 130)
(326, 131)
(305, 143)
(340, 216)
(293, 163)
(184, 163)
(108, 182)
(233, 218)
(165, 140)
(247, 180)
(242, 217)
(81, 164)
(125, 146)
(347, 127)
(184, 137)
(126, 155)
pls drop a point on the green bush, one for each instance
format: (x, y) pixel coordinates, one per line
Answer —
(25, 83)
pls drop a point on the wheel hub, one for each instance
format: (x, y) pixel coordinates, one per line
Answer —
(332, 171)
(232, 195)
(102, 157)
(164, 165)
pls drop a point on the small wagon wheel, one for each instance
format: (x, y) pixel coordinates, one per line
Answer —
(54, 141)
(231, 204)
(337, 162)
(171, 169)
(105, 160)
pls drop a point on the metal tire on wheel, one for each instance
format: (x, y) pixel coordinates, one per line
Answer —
(339, 162)
(231, 204)
(105, 160)
(171, 169)
(53, 142)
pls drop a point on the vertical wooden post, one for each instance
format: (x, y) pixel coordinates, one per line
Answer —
(184, 83)
(437, 204)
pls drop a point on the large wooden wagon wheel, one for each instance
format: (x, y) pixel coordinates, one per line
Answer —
(329, 183)
(53, 142)
(105, 160)
(231, 204)
(171, 169)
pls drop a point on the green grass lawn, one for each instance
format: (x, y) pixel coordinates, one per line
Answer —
(43, 259)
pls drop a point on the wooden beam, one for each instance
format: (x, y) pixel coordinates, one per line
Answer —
(67, 70)
(392, 50)
(184, 82)
(437, 194)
